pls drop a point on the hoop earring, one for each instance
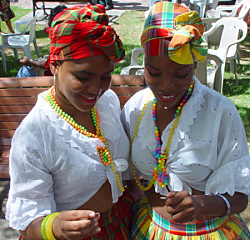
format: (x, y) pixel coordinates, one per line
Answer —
(54, 83)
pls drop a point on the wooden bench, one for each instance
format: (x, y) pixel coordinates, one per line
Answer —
(19, 95)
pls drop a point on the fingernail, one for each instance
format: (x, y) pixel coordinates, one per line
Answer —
(95, 219)
(98, 229)
(92, 214)
(96, 224)
(164, 198)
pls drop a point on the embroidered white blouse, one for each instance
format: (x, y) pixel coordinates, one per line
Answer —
(208, 151)
(53, 167)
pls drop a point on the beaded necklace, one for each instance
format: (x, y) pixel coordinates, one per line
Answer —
(104, 152)
(159, 173)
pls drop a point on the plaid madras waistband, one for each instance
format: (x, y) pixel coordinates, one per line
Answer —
(188, 229)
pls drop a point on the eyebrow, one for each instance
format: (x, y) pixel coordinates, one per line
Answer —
(181, 67)
(87, 72)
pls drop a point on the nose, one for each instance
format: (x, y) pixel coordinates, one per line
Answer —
(167, 83)
(95, 85)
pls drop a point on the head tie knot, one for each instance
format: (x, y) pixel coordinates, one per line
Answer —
(172, 29)
(83, 31)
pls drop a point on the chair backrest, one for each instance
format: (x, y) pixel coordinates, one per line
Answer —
(136, 52)
(28, 25)
(230, 31)
(243, 9)
(233, 31)
(32, 32)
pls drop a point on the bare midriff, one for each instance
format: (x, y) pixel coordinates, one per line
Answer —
(101, 201)
(159, 205)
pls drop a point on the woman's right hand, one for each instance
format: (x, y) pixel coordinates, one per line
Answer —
(76, 224)
(25, 61)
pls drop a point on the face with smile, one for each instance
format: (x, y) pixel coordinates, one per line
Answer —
(80, 83)
(168, 80)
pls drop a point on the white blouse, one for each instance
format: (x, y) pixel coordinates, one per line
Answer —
(208, 151)
(53, 167)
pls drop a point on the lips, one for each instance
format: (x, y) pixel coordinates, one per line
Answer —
(89, 99)
(167, 98)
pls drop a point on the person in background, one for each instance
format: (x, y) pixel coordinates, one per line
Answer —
(6, 14)
(107, 3)
(30, 65)
(188, 141)
(67, 169)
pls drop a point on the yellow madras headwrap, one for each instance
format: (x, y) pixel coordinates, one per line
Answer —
(172, 29)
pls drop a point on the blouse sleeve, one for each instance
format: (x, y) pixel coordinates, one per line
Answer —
(31, 193)
(231, 171)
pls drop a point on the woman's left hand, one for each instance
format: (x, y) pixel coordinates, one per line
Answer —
(182, 206)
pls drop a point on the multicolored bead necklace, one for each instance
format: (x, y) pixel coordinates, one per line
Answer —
(104, 152)
(159, 173)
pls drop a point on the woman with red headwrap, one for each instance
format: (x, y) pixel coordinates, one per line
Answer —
(188, 141)
(68, 156)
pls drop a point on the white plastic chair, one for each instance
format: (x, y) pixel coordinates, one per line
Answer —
(134, 66)
(201, 4)
(230, 10)
(20, 40)
(208, 72)
(234, 31)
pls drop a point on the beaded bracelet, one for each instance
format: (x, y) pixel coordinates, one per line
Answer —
(46, 227)
(227, 204)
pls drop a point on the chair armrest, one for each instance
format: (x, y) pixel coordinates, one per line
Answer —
(19, 23)
(6, 36)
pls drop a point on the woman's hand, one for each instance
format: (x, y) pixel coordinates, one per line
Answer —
(25, 61)
(76, 224)
(182, 206)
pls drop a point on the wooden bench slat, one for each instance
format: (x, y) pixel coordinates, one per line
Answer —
(17, 92)
(7, 133)
(12, 118)
(16, 109)
(19, 95)
(9, 125)
(8, 101)
(121, 91)
(41, 81)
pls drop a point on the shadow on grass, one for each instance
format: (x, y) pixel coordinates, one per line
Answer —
(245, 116)
(231, 88)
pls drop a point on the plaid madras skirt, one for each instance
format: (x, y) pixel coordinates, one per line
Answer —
(115, 223)
(149, 225)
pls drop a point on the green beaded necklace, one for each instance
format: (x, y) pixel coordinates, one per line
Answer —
(104, 152)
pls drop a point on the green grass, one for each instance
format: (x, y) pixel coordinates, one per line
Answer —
(129, 27)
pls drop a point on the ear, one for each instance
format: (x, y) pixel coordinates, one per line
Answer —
(54, 66)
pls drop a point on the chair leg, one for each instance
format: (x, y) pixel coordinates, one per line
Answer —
(15, 53)
(233, 69)
(3, 59)
(36, 47)
(27, 51)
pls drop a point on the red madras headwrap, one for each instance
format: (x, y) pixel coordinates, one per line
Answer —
(83, 31)
(172, 29)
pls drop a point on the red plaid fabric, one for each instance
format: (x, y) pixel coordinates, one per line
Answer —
(83, 31)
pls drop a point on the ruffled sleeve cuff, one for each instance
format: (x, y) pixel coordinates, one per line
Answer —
(24, 211)
(230, 178)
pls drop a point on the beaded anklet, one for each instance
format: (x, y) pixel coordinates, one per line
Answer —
(104, 152)
(159, 173)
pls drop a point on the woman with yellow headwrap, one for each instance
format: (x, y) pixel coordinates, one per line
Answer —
(69, 154)
(188, 141)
